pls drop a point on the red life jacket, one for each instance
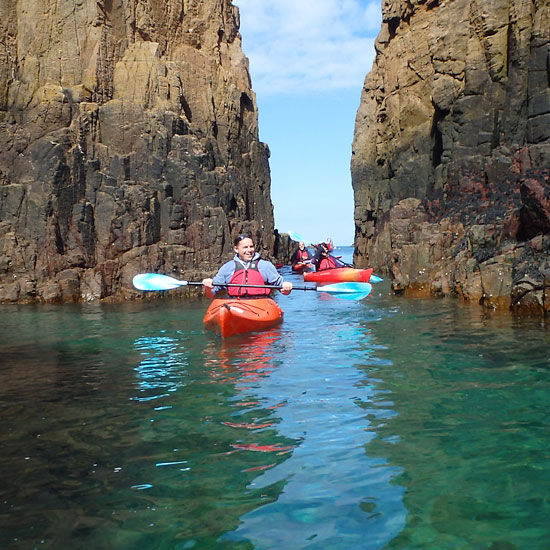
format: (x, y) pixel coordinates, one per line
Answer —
(327, 263)
(250, 276)
(302, 255)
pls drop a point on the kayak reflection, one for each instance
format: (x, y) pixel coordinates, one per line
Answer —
(208, 428)
(244, 359)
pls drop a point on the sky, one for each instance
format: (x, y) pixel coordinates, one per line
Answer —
(308, 61)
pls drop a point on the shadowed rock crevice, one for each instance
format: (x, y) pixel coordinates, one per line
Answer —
(437, 136)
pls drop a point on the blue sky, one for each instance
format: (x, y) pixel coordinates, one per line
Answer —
(308, 61)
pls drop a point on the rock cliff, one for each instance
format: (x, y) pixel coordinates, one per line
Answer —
(451, 153)
(128, 143)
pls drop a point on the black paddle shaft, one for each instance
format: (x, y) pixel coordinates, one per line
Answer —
(338, 260)
(258, 286)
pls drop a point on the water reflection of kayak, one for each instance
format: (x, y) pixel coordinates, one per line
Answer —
(229, 316)
(339, 275)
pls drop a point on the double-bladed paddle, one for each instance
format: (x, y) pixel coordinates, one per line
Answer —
(157, 281)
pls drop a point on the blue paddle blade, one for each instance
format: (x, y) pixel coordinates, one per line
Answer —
(350, 291)
(346, 287)
(375, 279)
(156, 281)
(298, 238)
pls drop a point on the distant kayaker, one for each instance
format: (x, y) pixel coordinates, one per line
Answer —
(301, 255)
(323, 260)
(247, 268)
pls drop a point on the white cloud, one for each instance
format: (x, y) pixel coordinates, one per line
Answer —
(308, 45)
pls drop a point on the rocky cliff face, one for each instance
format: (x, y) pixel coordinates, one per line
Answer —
(128, 143)
(451, 155)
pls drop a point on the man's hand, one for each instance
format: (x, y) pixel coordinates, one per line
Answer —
(286, 288)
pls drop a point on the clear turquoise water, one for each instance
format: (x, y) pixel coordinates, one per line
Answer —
(382, 424)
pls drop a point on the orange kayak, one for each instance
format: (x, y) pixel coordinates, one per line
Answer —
(229, 316)
(339, 275)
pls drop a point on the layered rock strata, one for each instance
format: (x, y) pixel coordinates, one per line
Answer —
(128, 143)
(451, 153)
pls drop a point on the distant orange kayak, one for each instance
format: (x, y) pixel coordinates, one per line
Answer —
(229, 316)
(339, 275)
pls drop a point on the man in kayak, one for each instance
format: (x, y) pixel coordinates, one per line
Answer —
(323, 260)
(301, 255)
(247, 268)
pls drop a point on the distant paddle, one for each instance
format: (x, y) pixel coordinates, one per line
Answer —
(157, 281)
(298, 238)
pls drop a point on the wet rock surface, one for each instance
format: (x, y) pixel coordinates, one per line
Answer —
(451, 153)
(128, 143)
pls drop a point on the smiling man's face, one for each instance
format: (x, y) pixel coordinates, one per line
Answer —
(245, 249)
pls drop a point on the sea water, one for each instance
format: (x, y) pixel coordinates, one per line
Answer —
(386, 423)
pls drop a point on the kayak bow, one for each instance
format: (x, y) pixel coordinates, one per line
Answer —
(302, 267)
(339, 274)
(230, 316)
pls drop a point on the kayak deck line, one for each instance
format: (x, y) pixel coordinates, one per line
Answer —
(237, 309)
